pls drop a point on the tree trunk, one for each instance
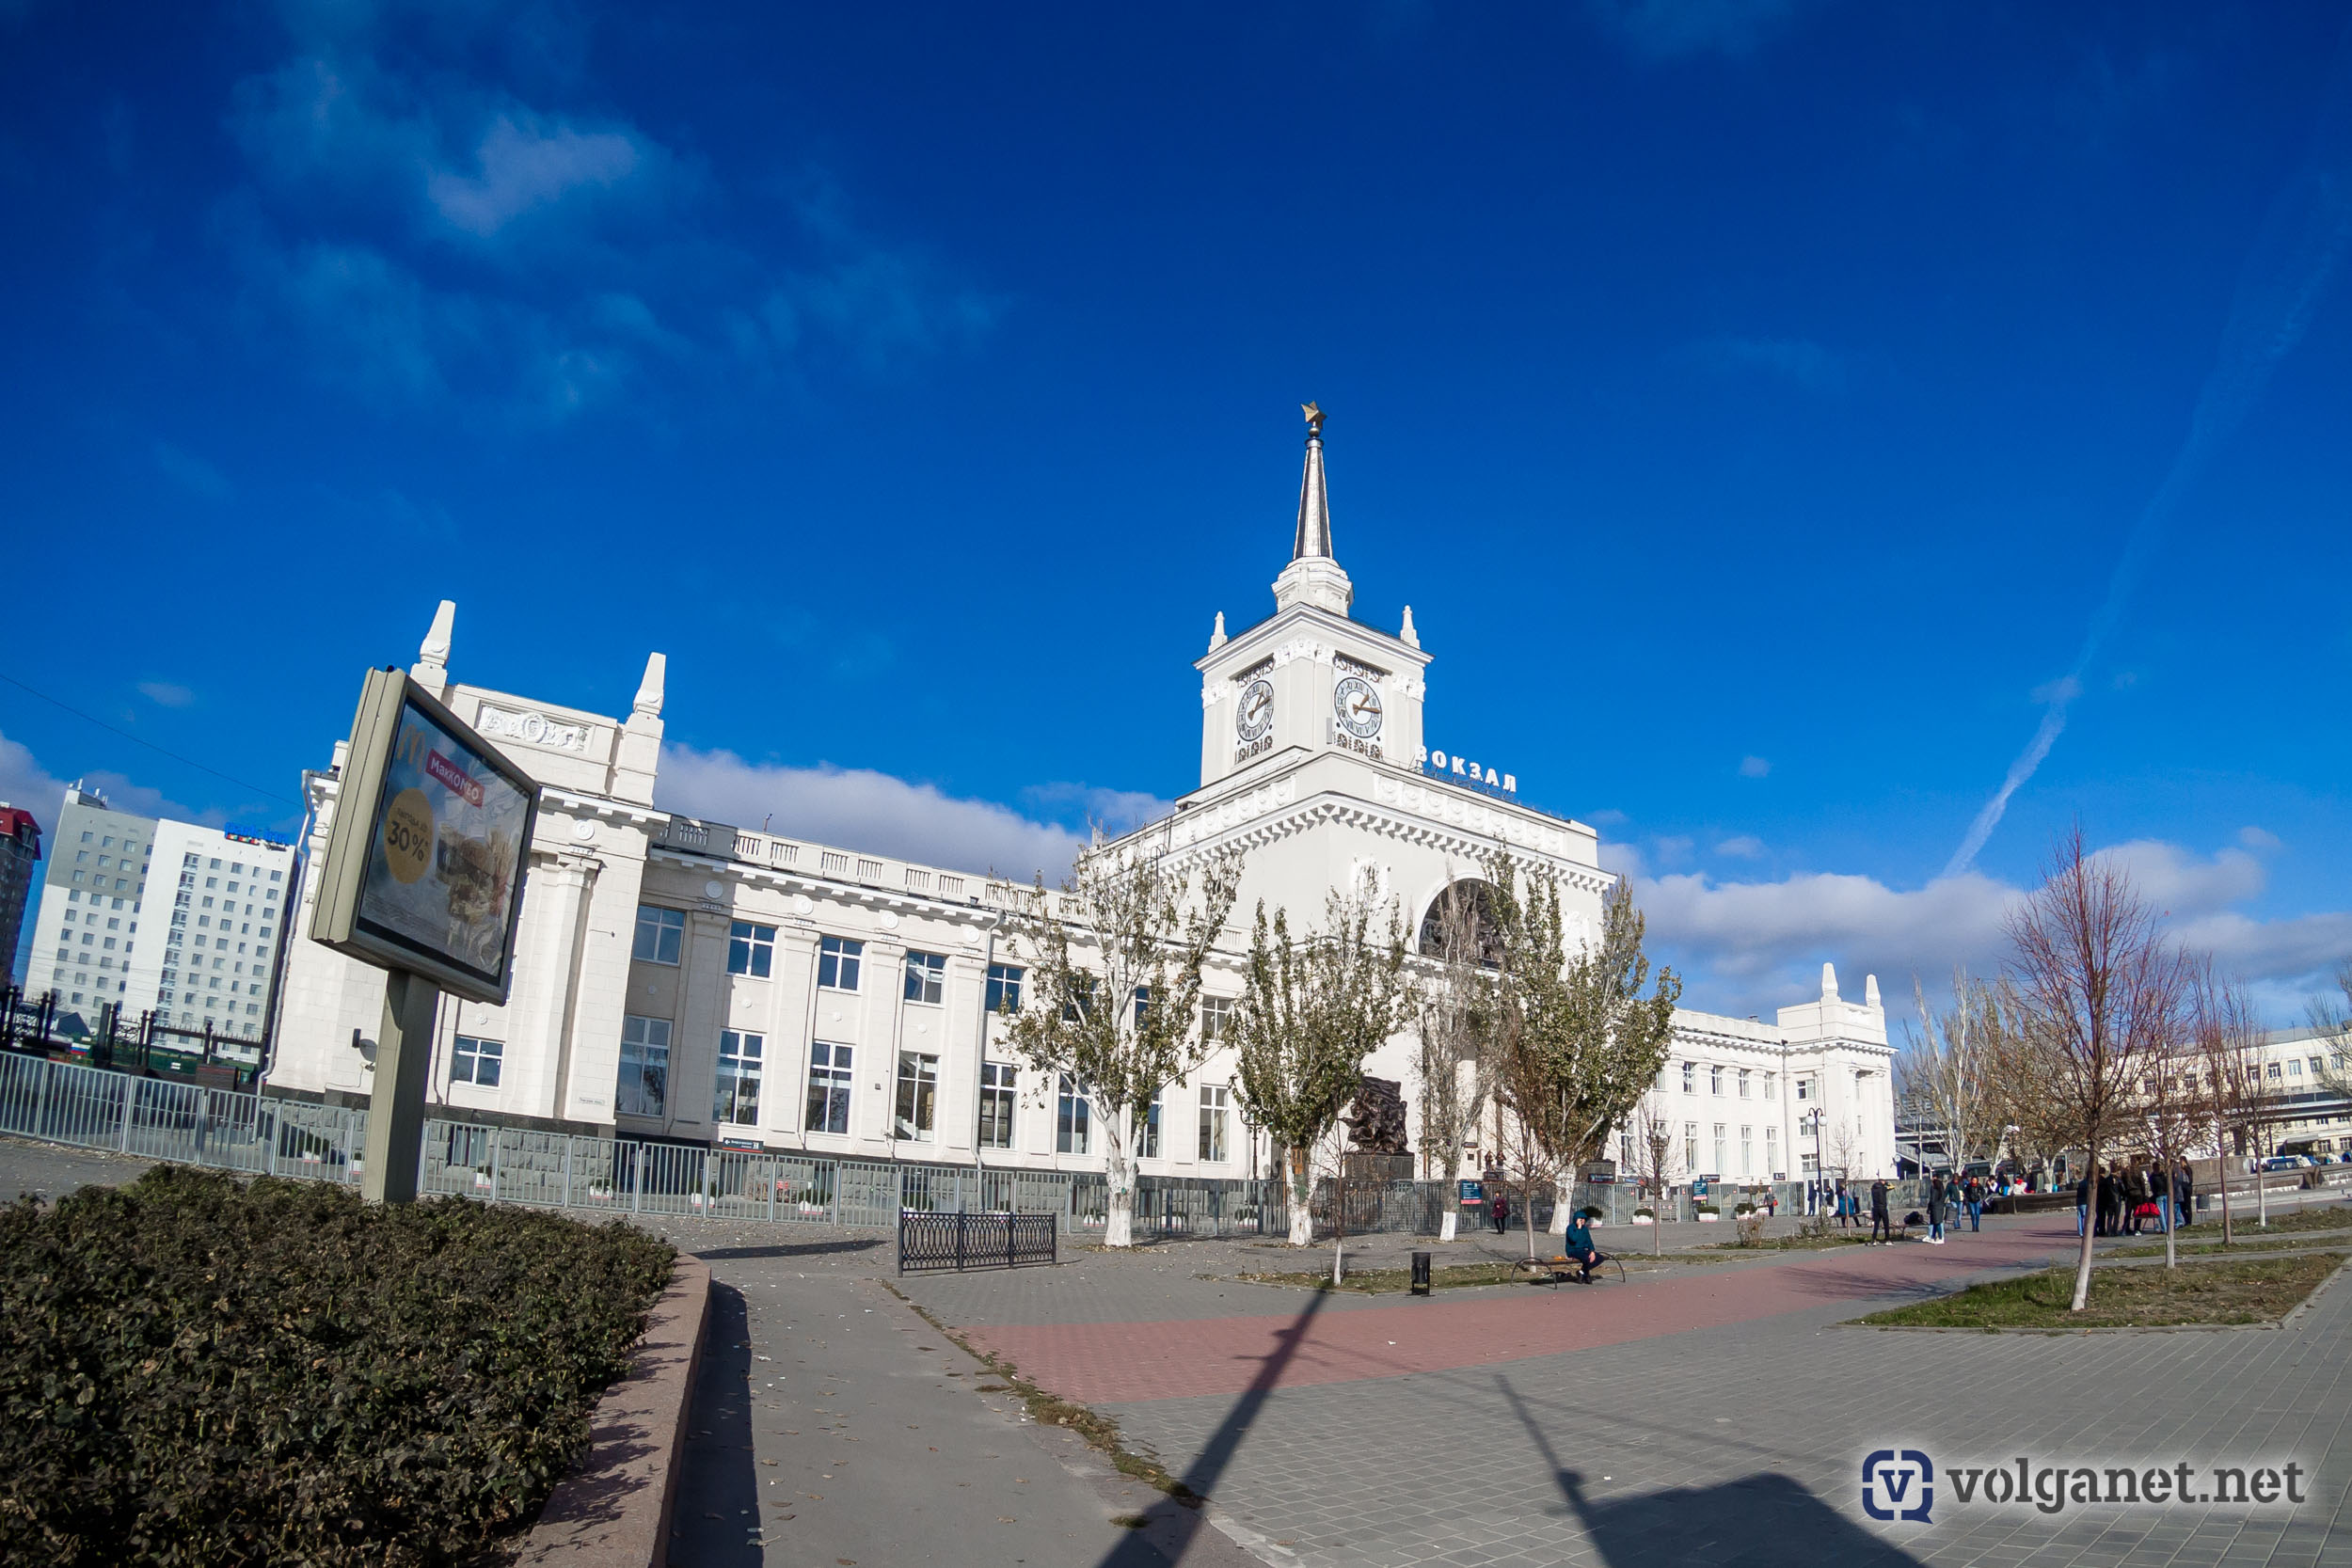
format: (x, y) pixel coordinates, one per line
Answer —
(1302, 1200)
(2090, 1226)
(2171, 1224)
(1531, 1223)
(1564, 1203)
(1118, 1210)
(1449, 1218)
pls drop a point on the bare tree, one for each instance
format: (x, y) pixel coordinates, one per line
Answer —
(1116, 988)
(2331, 1022)
(1945, 1071)
(1311, 1013)
(2103, 992)
(1653, 1162)
(1453, 1016)
(2226, 1039)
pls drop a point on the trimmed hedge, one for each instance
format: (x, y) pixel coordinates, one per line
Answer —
(197, 1373)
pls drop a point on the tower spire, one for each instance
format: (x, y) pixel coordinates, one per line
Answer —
(1314, 576)
(1313, 538)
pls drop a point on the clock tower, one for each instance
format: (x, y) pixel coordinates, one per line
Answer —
(1309, 678)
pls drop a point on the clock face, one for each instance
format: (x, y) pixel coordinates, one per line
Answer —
(1356, 703)
(1254, 715)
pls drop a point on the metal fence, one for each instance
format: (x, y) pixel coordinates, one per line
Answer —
(931, 1243)
(163, 1119)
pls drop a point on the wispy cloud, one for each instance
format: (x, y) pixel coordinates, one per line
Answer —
(192, 474)
(2287, 274)
(1667, 29)
(1746, 847)
(861, 809)
(1800, 362)
(430, 235)
(25, 783)
(167, 694)
(1754, 767)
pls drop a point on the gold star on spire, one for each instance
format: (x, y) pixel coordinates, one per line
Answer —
(1314, 415)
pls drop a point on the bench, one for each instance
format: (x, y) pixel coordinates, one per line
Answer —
(1551, 1271)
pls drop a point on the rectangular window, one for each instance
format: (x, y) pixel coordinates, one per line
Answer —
(2294, 1067)
(1747, 1151)
(738, 1097)
(659, 933)
(1143, 1003)
(828, 1089)
(997, 1093)
(1217, 1017)
(1771, 1153)
(837, 962)
(1147, 1142)
(645, 1083)
(1004, 988)
(1689, 1078)
(1714, 1080)
(926, 976)
(2274, 1070)
(476, 1061)
(1216, 1117)
(1772, 1085)
(1072, 1134)
(1805, 1088)
(918, 1094)
(751, 949)
(1743, 1082)
(1719, 1149)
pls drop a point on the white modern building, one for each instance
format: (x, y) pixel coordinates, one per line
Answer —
(695, 981)
(210, 900)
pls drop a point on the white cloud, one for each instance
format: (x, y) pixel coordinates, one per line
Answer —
(1754, 767)
(523, 167)
(25, 783)
(858, 808)
(2258, 838)
(167, 694)
(1746, 847)
(1747, 946)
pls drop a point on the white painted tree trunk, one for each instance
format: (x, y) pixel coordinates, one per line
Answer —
(1302, 1209)
(1562, 1203)
(1449, 1220)
(1119, 1215)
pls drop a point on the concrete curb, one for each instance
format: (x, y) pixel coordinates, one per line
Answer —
(614, 1510)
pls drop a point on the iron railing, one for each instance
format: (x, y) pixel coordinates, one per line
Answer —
(931, 1241)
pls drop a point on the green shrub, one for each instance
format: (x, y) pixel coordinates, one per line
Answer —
(196, 1372)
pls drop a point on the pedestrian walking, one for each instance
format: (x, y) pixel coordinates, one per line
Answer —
(1882, 1225)
(1500, 1211)
(1935, 1210)
(2183, 1195)
(2082, 1203)
(1976, 1203)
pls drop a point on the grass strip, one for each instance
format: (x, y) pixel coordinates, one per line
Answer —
(2256, 1291)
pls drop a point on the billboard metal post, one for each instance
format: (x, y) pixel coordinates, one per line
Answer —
(403, 1056)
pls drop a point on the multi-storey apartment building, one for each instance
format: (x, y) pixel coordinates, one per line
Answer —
(210, 900)
(20, 851)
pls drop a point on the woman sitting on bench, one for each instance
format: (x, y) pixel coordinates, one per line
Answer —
(1578, 1245)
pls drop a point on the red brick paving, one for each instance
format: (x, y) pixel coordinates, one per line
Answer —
(1108, 1362)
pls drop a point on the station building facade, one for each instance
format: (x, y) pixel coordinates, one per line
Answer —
(692, 980)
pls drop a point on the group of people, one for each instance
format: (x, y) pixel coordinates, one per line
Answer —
(2120, 1201)
(1950, 1199)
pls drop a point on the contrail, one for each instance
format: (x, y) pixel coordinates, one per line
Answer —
(2285, 277)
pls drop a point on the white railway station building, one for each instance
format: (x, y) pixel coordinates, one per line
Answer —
(689, 980)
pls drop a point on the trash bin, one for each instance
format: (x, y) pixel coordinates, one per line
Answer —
(1421, 1274)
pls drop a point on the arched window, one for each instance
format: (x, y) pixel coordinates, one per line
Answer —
(1463, 914)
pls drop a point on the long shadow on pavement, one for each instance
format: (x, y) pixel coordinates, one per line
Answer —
(1169, 1525)
(1759, 1521)
(716, 1518)
(786, 1249)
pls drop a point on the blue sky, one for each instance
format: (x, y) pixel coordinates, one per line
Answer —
(1758, 404)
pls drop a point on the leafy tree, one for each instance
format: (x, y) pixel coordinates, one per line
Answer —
(1311, 1013)
(1116, 986)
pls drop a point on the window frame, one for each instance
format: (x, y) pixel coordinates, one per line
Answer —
(667, 927)
(915, 1100)
(736, 1082)
(832, 1071)
(1005, 983)
(926, 977)
(1213, 1135)
(751, 949)
(1073, 1125)
(838, 956)
(651, 1059)
(1000, 1094)
(474, 1059)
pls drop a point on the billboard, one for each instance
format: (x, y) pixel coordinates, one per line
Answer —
(424, 867)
